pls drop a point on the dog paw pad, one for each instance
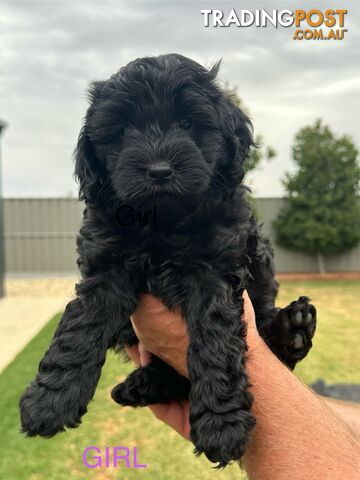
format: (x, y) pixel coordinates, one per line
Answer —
(298, 319)
(295, 326)
(298, 341)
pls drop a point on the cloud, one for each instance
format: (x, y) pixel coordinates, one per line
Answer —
(50, 51)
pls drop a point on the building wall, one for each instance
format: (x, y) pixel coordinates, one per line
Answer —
(40, 238)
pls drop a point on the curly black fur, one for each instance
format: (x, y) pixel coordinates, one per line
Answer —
(161, 132)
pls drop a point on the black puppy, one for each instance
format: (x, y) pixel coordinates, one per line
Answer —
(160, 133)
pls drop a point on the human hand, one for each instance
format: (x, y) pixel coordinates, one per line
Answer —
(163, 333)
(176, 413)
(286, 411)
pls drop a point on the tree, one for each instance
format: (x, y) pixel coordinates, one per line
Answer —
(322, 212)
(261, 153)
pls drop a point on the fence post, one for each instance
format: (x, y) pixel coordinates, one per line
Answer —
(3, 125)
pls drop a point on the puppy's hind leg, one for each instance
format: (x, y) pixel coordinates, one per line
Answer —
(154, 383)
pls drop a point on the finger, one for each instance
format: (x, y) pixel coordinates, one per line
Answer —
(134, 325)
(174, 414)
(145, 356)
(186, 418)
(249, 313)
(133, 353)
(246, 298)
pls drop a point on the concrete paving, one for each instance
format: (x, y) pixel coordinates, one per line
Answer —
(21, 318)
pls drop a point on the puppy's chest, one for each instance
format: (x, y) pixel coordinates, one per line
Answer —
(170, 267)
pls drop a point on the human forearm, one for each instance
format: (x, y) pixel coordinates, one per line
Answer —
(349, 413)
(297, 435)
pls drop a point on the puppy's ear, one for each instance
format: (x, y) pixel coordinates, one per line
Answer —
(88, 170)
(237, 131)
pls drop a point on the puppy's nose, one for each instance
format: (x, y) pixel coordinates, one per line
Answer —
(160, 173)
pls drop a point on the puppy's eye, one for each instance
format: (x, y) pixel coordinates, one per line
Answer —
(185, 123)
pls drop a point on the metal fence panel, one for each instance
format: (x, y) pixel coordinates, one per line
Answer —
(40, 238)
(289, 261)
(40, 234)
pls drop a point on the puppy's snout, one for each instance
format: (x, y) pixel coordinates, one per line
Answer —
(160, 173)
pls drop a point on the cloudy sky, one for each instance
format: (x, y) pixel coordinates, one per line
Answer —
(50, 50)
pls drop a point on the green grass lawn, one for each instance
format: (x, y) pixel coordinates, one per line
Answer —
(335, 357)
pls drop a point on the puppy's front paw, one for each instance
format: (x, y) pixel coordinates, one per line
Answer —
(46, 412)
(296, 325)
(223, 437)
